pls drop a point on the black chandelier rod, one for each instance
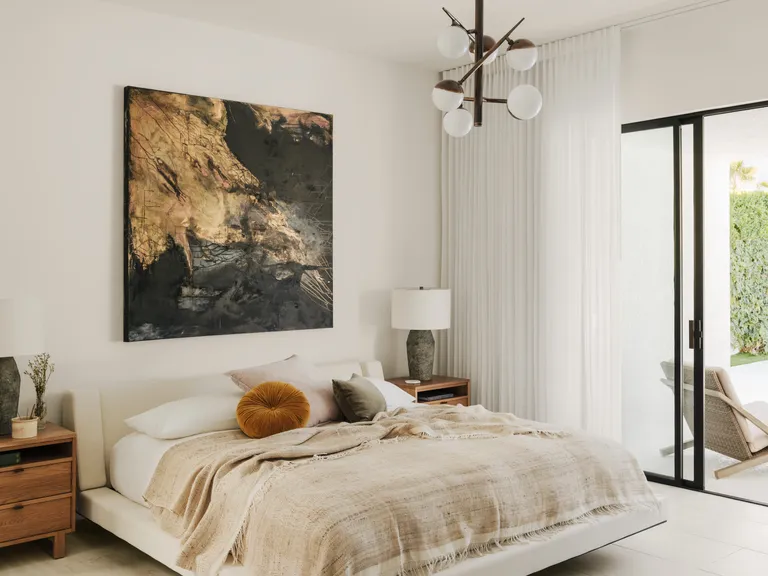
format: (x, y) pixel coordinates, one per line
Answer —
(479, 59)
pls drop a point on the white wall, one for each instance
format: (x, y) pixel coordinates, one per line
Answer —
(64, 67)
(707, 58)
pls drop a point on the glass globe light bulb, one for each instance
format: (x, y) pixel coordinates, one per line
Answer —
(522, 55)
(488, 43)
(458, 123)
(524, 102)
(447, 95)
(453, 42)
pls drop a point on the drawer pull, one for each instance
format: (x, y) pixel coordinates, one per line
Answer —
(19, 507)
(18, 470)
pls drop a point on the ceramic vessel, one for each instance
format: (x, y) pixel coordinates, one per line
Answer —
(23, 428)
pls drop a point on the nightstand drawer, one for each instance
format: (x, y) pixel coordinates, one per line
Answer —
(463, 400)
(35, 482)
(24, 520)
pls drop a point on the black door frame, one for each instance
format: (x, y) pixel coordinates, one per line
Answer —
(676, 123)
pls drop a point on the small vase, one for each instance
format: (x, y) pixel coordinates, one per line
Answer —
(41, 411)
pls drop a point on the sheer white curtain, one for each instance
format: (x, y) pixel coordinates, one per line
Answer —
(531, 241)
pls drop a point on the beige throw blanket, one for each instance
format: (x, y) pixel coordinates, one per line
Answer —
(410, 493)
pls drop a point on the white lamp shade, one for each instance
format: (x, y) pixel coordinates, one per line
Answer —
(447, 95)
(491, 58)
(453, 42)
(421, 309)
(458, 122)
(524, 102)
(21, 328)
(524, 57)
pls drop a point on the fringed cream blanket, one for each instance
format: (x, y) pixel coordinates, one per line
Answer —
(410, 493)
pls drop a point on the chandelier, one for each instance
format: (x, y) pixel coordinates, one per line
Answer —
(523, 102)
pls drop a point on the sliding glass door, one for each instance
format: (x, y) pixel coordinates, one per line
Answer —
(649, 296)
(736, 289)
(662, 324)
(695, 299)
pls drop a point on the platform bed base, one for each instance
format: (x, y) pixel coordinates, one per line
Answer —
(134, 524)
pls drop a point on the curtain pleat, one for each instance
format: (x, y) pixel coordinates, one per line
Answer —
(530, 229)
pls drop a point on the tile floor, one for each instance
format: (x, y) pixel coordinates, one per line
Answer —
(705, 535)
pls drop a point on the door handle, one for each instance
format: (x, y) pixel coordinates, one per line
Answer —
(694, 334)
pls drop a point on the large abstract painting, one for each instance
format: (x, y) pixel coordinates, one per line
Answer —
(228, 217)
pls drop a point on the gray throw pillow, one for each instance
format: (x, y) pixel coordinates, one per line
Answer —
(358, 399)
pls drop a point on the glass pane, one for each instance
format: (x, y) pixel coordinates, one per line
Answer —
(686, 168)
(736, 294)
(648, 307)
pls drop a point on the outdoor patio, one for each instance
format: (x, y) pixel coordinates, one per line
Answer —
(751, 382)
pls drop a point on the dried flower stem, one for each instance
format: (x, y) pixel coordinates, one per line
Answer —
(40, 370)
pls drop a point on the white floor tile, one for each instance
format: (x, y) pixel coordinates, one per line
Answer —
(727, 528)
(682, 502)
(669, 543)
(618, 561)
(742, 563)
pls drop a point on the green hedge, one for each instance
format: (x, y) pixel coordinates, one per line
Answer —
(749, 271)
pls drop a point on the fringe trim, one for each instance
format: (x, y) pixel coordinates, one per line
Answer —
(592, 517)
(488, 435)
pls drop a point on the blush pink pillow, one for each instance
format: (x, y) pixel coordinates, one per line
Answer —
(301, 374)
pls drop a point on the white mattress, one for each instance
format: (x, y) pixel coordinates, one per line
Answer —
(133, 461)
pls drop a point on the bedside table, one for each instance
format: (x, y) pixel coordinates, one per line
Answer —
(459, 387)
(37, 496)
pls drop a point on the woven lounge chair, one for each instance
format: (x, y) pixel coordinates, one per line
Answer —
(736, 431)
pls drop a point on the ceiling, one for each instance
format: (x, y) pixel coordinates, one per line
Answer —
(405, 30)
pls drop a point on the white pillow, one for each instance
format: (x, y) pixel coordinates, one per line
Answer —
(303, 375)
(188, 416)
(395, 396)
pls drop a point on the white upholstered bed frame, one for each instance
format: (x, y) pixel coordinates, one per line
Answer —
(97, 415)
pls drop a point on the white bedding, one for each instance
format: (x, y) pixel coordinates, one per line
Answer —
(133, 461)
(135, 457)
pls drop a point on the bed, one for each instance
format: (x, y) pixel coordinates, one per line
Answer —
(97, 416)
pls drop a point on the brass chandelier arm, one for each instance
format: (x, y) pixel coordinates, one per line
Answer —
(480, 62)
(491, 100)
(458, 23)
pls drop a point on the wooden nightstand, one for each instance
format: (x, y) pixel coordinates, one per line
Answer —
(459, 387)
(37, 496)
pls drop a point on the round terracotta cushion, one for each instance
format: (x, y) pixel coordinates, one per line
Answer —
(271, 408)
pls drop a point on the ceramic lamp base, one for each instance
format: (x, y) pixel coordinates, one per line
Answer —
(421, 354)
(10, 383)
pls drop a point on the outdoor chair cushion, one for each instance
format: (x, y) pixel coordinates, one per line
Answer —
(757, 439)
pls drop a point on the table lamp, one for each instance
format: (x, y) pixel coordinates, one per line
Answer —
(421, 310)
(21, 334)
